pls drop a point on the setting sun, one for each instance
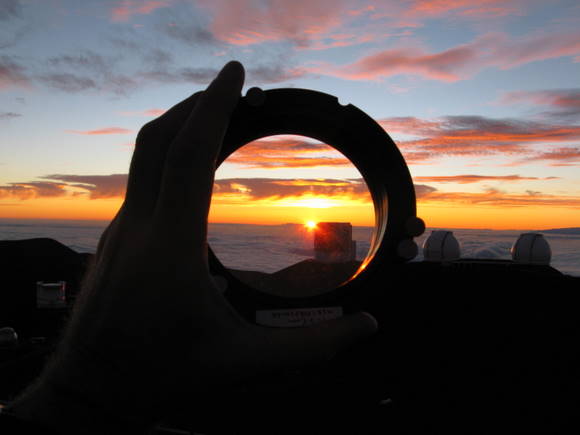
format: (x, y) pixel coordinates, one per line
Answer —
(311, 225)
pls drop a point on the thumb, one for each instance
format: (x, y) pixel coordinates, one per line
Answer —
(295, 347)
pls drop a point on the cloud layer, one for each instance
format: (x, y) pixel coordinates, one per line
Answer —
(272, 191)
(466, 136)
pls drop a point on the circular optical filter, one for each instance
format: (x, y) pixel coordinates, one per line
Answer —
(368, 147)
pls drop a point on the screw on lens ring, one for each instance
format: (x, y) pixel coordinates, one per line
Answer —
(358, 137)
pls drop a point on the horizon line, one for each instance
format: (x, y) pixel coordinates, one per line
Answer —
(106, 221)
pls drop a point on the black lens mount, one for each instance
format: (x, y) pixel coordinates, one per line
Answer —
(370, 149)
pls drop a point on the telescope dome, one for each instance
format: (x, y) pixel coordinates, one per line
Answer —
(531, 248)
(441, 246)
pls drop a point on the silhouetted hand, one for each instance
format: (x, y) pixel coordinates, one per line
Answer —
(150, 321)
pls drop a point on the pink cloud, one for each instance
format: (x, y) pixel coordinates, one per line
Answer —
(148, 113)
(125, 9)
(247, 22)
(286, 153)
(457, 63)
(472, 8)
(107, 130)
(470, 179)
(477, 136)
(494, 197)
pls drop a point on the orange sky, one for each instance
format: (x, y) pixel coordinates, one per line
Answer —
(435, 213)
(278, 180)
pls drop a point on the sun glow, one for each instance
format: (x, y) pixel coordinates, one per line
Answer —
(310, 225)
(311, 202)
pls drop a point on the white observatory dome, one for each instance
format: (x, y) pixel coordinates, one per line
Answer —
(441, 246)
(531, 248)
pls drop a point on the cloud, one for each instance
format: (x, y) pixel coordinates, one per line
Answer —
(146, 113)
(496, 50)
(466, 8)
(33, 190)
(100, 131)
(444, 66)
(126, 9)
(92, 72)
(285, 191)
(286, 153)
(494, 197)
(9, 115)
(12, 74)
(273, 73)
(247, 22)
(68, 82)
(564, 103)
(260, 74)
(10, 9)
(87, 59)
(469, 179)
(565, 156)
(97, 186)
(475, 135)
(238, 191)
(422, 190)
(189, 32)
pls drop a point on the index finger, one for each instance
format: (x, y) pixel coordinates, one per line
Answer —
(190, 165)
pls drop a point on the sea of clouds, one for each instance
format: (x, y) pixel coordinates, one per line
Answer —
(269, 248)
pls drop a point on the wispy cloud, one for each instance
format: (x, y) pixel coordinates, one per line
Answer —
(9, 115)
(146, 113)
(32, 190)
(565, 156)
(86, 70)
(97, 186)
(124, 10)
(469, 178)
(497, 198)
(188, 31)
(286, 153)
(100, 131)
(240, 190)
(564, 104)
(68, 82)
(476, 135)
(496, 50)
(247, 22)
(267, 73)
(12, 73)
(466, 8)
(10, 9)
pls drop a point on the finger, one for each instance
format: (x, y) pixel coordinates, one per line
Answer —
(189, 168)
(296, 347)
(151, 147)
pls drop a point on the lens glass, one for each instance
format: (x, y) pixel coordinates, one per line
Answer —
(290, 216)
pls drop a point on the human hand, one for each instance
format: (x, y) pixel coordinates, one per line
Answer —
(150, 321)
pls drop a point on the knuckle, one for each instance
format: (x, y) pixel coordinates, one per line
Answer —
(149, 131)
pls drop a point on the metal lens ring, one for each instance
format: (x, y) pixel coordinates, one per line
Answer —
(368, 147)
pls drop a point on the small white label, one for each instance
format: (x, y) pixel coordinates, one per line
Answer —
(296, 317)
